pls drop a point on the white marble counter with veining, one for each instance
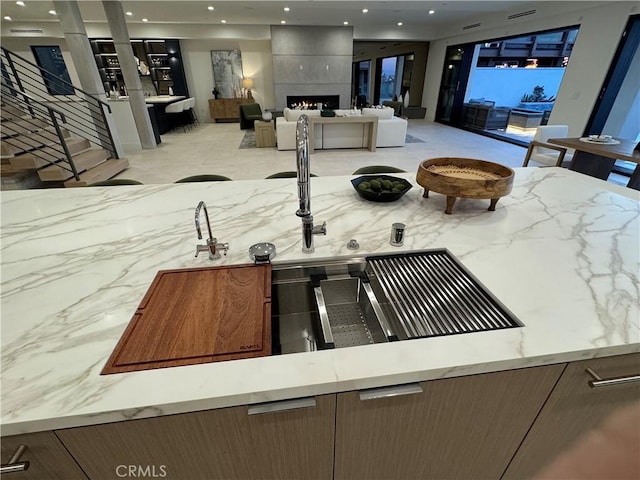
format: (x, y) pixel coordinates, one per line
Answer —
(561, 252)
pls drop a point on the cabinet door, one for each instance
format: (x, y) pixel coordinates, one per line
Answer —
(46, 456)
(228, 443)
(465, 427)
(573, 409)
(232, 108)
(216, 108)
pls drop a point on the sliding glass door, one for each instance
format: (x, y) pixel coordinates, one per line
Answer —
(453, 84)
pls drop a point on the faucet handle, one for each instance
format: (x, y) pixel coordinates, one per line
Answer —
(222, 246)
(201, 248)
(320, 229)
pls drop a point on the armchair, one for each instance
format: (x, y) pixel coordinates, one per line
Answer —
(249, 113)
(545, 153)
(397, 107)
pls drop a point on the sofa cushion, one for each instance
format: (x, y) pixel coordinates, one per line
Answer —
(385, 113)
(293, 115)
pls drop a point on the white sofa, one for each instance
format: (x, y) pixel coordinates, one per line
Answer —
(391, 130)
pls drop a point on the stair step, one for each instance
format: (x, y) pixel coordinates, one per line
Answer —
(7, 112)
(38, 159)
(104, 171)
(83, 161)
(14, 127)
(31, 140)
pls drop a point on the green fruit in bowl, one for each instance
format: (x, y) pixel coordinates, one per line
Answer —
(364, 186)
(376, 184)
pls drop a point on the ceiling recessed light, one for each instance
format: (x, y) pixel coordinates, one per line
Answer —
(145, 19)
(128, 13)
(399, 24)
(283, 21)
(431, 12)
(210, 8)
(286, 9)
(365, 10)
(52, 12)
(223, 21)
(20, 4)
(7, 18)
(345, 23)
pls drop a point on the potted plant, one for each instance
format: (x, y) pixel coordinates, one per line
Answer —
(537, 100)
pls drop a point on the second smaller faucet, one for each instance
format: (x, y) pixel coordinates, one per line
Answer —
(212, 246)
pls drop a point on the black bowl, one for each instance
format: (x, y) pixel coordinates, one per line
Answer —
(380, 196)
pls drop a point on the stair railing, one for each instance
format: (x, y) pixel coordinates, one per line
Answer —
(85, 113)
(37, 112)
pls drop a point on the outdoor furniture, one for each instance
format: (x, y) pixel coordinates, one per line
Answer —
(485, 116)
(522, 119)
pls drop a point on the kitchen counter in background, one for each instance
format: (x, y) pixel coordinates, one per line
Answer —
(560, 252)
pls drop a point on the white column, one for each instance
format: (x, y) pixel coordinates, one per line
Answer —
(80, 49)
(120, 34)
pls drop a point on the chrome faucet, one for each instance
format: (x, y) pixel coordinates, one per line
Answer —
(212, 246)
(304, 190)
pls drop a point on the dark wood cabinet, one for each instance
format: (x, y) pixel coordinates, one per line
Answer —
(159, 61)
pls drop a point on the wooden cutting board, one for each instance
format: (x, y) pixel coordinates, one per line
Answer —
(198, 315)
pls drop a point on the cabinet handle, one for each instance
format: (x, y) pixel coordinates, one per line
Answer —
(15, 465)
(387, 392)
(281, 406)
(598, 381)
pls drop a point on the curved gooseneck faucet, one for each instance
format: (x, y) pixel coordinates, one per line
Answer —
(212, 245)
(304, 189)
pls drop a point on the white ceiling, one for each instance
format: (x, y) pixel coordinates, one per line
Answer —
(382, 16)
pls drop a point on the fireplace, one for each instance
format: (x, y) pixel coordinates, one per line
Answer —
(310, 102)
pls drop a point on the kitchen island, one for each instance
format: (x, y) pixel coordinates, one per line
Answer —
(560, 252)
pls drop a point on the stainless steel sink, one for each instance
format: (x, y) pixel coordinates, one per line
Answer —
(362, 300)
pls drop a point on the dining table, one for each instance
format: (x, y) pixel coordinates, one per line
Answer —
(597, 157)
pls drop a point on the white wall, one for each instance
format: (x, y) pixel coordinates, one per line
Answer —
(600, 32)
(256, 64)
(506, 86)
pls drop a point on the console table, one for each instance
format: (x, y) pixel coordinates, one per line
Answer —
(226, 109)
(372, 137)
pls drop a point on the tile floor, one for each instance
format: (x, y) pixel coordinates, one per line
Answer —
(213, 148)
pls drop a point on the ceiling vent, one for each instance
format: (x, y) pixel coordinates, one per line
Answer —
(473, 25)
(26, 30)
(521, 14)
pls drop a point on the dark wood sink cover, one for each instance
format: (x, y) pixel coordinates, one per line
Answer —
(198, 315)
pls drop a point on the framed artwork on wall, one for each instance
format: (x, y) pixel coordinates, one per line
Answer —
(56, 77)
(227, 72)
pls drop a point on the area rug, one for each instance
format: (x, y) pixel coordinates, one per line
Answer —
(249, 139)
(412, 139)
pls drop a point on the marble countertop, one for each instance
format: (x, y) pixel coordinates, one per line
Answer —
(160, 99)
(560, 252)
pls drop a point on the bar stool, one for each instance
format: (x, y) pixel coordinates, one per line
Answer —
(190, 104)
(175, 111)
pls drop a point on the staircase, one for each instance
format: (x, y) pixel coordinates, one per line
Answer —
(50, 140)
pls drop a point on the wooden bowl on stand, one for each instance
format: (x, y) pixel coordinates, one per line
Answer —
(465, 178)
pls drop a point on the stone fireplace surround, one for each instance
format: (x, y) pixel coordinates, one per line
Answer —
(310, 102)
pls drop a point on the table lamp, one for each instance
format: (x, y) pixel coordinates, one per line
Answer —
(247, 84)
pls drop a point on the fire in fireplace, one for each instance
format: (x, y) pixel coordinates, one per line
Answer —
(311, 102)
